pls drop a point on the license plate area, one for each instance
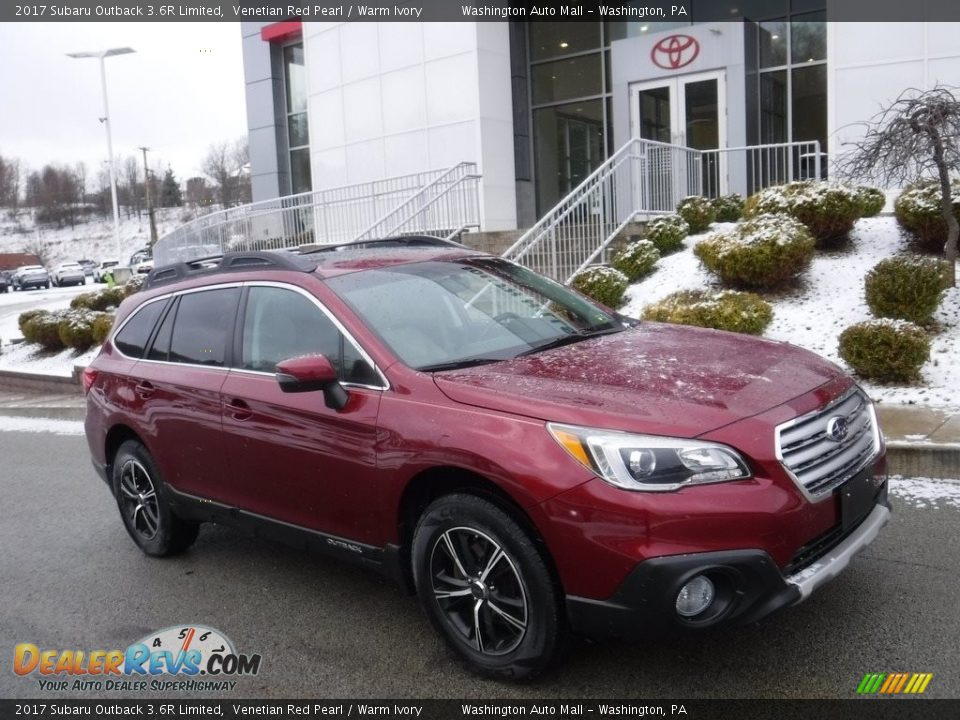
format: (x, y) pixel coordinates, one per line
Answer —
(858, 496)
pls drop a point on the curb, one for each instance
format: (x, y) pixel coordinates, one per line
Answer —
(36, 382)
(913, 459)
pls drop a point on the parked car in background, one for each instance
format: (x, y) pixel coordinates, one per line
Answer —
(144, 266)
(6, 284)
(104, 265)
(527, 461)
(31, 276)
(88, 267)
(68, 273)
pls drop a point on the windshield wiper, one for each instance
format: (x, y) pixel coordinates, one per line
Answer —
(460, 364)
(569, 340)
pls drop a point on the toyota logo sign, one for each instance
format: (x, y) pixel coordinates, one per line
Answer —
(675, 51)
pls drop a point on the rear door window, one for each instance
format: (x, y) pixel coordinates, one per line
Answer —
(203, 325)
(135, 333)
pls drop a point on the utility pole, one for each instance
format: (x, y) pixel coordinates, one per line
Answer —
(146, 187)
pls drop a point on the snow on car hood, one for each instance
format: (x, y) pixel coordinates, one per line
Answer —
(662, 379)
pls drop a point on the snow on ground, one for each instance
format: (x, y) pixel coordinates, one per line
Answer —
(828, 299)
(41, 425)
(926, 492)
(29, 358)
(14, 303)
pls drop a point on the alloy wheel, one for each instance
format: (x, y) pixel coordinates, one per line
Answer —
(139, 501)
(479, 590)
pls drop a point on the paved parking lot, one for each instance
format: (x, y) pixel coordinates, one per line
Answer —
(71, 579)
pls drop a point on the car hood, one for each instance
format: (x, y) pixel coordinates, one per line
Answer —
(655, 378)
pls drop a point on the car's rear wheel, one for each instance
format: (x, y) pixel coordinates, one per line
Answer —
(140, 494)
(486, 588)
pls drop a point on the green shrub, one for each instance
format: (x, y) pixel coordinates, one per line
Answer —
(871, 200)
(917, 210)
(728, 208)
(906, 287)
(100, 300)
(26, 317)
(42, 329)
(885, 350)
(636, 259)
(765, 252)
(727, 310)
(697, 211)
(75, 328)
(606, 285)
(667, 233)
(828, 210)
(133, 285)
(102, 324)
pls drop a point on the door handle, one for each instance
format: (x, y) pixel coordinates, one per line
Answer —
(144, 389)
(239, 409)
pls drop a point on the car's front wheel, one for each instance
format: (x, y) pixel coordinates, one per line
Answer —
(486, 587)
(140, 494)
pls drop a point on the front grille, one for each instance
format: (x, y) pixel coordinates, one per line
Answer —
(817, 461)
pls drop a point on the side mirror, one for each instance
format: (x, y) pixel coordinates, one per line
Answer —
(310, 373)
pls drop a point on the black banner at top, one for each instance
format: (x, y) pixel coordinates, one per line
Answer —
(467, 10)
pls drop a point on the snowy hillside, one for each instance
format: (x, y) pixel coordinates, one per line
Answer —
(90, 240)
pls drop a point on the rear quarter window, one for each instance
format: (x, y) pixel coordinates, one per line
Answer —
(133, 336)
(203, 325)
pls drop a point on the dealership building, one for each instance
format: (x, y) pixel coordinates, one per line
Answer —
(539, 105)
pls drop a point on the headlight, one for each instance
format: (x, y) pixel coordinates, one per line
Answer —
(649, 462)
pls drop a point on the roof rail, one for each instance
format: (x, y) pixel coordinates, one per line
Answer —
(399, 241)
(229, 262)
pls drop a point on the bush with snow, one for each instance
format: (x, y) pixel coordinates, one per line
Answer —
(25, 317)
(728, 208)
(726, 310)
(906, 287)
(102, 324)
(917, 210)
(606, 285)
(697, 211)
(871, 200)
(100, 300)
(667, 233)
(885, 350)
(828, 210)
(764, 252)
(42, 328)
(75, 328)
(636, 260)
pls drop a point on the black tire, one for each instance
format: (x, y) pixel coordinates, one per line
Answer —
(146, 514)
(518, 583)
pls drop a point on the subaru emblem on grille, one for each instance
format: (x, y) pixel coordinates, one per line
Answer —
(837, 428)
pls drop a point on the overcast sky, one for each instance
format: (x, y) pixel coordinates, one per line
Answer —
(181, 91)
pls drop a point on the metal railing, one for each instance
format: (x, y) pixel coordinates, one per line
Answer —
(448, 204)
(335, 215)
(641, 178)
(745, 170)
(646, 178)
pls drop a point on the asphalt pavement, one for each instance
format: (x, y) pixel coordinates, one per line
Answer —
(70, 578)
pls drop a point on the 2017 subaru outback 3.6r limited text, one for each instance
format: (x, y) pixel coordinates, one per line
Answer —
(530, 463)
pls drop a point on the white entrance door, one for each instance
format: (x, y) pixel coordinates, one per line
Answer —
(687, 110)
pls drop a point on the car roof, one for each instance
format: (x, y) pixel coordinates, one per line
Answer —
(325, 261)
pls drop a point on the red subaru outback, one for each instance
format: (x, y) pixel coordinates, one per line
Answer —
(529, 462)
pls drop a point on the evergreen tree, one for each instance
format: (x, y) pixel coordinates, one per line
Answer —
(170, 195)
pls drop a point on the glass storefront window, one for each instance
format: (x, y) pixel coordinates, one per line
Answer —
(809, 102)
(299, 133)
(296, 80)
(568, 147)
(300, 180)
(566, 79)
(553, 39)
(773, 106)
(773, 43)
(808, 38)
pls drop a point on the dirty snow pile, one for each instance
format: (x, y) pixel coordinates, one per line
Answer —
(829, 298)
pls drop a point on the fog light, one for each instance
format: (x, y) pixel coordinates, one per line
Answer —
(695, 596)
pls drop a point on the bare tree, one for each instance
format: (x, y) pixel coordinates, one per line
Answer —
(241, 165)
(80, 172)
(130, 172)
(915, 138)
(218, 166)
(9, 182)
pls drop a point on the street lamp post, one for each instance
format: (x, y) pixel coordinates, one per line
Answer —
(102, 56)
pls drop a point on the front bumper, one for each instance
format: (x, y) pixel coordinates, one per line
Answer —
(749, 586)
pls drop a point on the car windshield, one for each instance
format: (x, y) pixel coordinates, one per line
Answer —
(443, 315)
